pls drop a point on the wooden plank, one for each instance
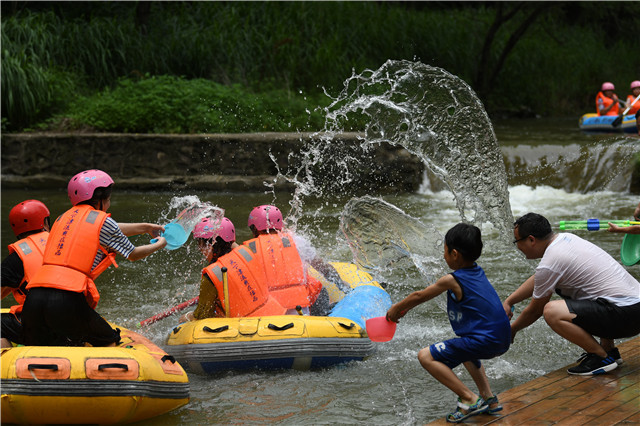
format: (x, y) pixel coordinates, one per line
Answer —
(561, 398)
(620, 413)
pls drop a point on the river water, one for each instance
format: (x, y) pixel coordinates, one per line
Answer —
(550, 168)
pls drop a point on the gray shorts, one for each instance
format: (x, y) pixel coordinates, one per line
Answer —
(602, 318)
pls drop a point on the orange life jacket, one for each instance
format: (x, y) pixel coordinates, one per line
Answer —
(73, 244)
(634, 109)
(282, 269)
(31, 251)
(248, 295)
(603, 102)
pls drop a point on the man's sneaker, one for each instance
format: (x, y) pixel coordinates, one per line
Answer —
(593, 364)
(615, 354)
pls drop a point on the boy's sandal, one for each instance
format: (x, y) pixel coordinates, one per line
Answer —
(480, 406)
(491, 401)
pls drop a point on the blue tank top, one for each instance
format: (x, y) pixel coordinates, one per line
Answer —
(480, 312)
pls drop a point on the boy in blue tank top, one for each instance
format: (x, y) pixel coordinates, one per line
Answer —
(476, 316)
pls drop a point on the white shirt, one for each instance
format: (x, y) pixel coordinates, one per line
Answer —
(583, 271)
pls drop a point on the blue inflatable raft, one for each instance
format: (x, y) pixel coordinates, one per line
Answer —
(594, 123)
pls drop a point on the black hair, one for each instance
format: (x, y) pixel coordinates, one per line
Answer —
(221, 247)
(465, 238)
(99, 194)
(533, 224)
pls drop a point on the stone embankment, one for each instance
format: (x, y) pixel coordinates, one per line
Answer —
(220, 162)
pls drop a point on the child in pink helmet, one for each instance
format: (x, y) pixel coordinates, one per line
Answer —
(635, 92)
(607, 101)
(60, 307)
(215, 239)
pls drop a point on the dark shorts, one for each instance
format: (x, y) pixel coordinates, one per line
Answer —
(602, 318)
(454, 352)
(52, 317)
(11, 328)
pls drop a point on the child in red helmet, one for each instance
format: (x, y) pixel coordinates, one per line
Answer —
(30, 223)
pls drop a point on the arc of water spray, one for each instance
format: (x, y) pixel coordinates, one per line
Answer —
(438, 117)
(380, 235)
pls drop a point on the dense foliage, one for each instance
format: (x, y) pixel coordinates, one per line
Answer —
(254, 66)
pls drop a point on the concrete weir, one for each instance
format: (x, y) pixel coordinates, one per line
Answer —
(216, 162)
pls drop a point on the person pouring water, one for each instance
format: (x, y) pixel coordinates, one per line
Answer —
(59, 309)
(475, 313)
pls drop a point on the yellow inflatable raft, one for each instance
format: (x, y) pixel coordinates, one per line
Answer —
(75, 385)
(288, 341)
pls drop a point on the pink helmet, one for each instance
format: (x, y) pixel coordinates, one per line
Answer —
(207, 228)
(608, 86)
(266, 217)
(635, 84)
(28, 215)
(82, 185)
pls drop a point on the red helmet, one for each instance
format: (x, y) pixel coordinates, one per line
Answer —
(635, 84)
(208, 228)
(266, 217)
(28, 215)
(82, 185)
(608, 86)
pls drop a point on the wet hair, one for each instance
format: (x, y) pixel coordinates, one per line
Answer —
(465, 238)
(533, 224)
(99, 194)
(219, 247)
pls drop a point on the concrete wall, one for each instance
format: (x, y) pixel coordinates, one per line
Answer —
(220, 162)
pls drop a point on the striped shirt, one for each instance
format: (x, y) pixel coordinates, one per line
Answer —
(112, 238)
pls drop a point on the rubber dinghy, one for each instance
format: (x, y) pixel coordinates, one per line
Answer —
(85, 385)
(288, 341)
(594, 123)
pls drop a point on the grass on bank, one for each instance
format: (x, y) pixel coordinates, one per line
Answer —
(167, 104)
(70, 53)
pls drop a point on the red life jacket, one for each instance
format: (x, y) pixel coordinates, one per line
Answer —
(282, 269)
(31, 251)
(73, 244)
(634, 109)
(248, 295)
(603, 102)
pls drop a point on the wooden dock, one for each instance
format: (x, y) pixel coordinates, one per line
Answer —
(560, 398)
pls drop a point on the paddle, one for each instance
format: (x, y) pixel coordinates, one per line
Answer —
(592, 224)
(380, 329)
(168, 312)
(618, 119)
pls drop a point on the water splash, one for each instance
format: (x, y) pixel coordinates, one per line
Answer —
(190, 211)
(432, 114)
(382, 236)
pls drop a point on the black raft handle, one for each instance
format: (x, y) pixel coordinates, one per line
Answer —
(168, 358)
(284, 327)
(215, 330)
(53, 367)
(348, 327)
(125, 367)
